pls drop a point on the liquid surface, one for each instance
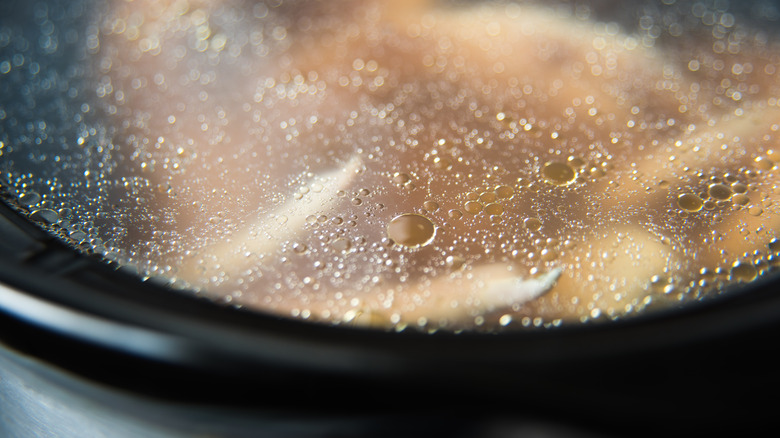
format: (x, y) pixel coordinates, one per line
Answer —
(410, 164)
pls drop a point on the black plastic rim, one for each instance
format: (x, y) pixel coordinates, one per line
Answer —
(93, 319)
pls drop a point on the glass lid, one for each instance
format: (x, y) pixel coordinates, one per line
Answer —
(417, 164)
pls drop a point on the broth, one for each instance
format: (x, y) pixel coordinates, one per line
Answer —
(435, 165)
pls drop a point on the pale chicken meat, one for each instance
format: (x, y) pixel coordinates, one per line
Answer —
(442, 165)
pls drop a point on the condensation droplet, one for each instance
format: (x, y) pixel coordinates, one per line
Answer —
(774, 246)
(755, 210)
(494, 209)
(401, 178)
(559, 174)
(504, 192)
(455, 262)
(29, 198)
(719, 192)
(763, 163)
(690, 202)
(411, 230)
(487, 197)
(455, 214)
(44, 215)
(742, 271)
(532, 223)
(472, 207)
(430, 206)
(740, 199)
(341, 244)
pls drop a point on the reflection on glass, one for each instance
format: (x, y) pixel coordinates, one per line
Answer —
(426, 164)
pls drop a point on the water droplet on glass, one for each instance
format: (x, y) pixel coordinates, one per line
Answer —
(532, 224)
(29, 198)
(45, 216)
(719, 192)
(743, 271)
(558, 173)
(411, 230)
(690, 202)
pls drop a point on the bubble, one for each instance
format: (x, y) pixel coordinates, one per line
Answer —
(411, 230)
(690, 202)
(559, 174)
(455, 214)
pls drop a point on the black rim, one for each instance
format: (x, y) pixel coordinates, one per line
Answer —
(703, 358)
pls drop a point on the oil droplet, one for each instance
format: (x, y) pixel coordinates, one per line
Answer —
(690, 202)
(532, 223)
(430, 206)
(455, 214)
(559, 174)
(411, 230)
(494, 209)
(472, 207)
(719, 192)
(504, 192)
(743, 272)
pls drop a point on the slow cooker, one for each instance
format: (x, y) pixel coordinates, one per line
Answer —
(90, 347)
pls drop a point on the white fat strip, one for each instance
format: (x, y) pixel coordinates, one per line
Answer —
(505, 288)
